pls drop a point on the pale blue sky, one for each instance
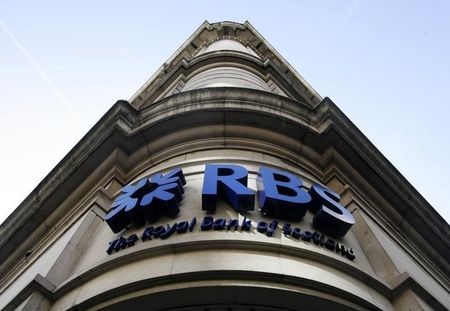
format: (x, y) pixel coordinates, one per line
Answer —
(384, 63)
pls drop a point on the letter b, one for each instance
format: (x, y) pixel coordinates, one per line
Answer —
(280, 194)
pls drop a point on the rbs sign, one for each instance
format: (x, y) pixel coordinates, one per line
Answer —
(280, 195)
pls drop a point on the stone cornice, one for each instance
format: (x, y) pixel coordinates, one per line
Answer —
(64, 178)
(319, 128)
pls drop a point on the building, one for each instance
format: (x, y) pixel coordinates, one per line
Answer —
(225, 104)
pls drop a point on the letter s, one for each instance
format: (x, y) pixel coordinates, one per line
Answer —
(330, 216)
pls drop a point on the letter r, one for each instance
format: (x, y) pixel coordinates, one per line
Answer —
(229, 183)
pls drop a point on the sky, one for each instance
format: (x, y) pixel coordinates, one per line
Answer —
(385, 64)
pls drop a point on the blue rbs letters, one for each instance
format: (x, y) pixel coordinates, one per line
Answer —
(280, 195)
(146, 200)
(330, 216)
(229, 183)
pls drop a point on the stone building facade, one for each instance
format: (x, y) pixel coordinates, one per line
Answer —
(226, 98)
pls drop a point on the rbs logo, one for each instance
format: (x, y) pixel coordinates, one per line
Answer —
(280, 195)
(146, 200)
